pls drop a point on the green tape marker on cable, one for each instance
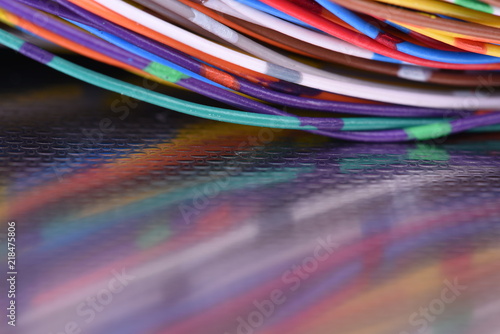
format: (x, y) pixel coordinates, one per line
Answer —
(165, 72)
(172, 103)
(479, 6)
(430, 131)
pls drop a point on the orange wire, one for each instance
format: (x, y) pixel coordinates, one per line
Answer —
(235, 26)
(109, 15)
(69, 44)
(216, 75)
(229, 23)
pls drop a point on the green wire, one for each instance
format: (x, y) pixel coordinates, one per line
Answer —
(213, 113)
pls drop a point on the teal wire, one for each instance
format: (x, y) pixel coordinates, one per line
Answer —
(207, 112)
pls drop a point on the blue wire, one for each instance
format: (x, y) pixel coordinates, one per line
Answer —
(256, 4)
(143, 53)
(372, 31)
(274, 12)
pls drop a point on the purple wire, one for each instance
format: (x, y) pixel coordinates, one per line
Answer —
(324, 123)
(45, 57)
(468, 123)
(457, 126)
(75, 35)
(195, 85)
(246, 87)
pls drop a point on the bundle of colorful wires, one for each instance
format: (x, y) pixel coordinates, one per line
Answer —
(366, 59)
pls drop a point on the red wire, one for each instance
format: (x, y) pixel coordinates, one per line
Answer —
(363, 41)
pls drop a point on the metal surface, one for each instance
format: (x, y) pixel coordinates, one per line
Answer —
(132, 219)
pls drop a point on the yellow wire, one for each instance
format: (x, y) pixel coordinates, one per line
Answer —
(466, 44)
(448, 9)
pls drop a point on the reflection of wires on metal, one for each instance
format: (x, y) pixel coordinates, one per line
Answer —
(162, 51)
(360, 257)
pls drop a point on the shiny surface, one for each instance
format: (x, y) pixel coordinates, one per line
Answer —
(132, 219)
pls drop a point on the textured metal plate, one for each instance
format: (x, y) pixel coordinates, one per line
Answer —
(132, 219)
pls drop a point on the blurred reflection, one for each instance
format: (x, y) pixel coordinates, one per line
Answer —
(169, 225)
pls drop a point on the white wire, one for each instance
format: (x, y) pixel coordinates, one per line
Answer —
(223, 8)
(182, 35)
(345, 86)
(252, 47)
(269, 21)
